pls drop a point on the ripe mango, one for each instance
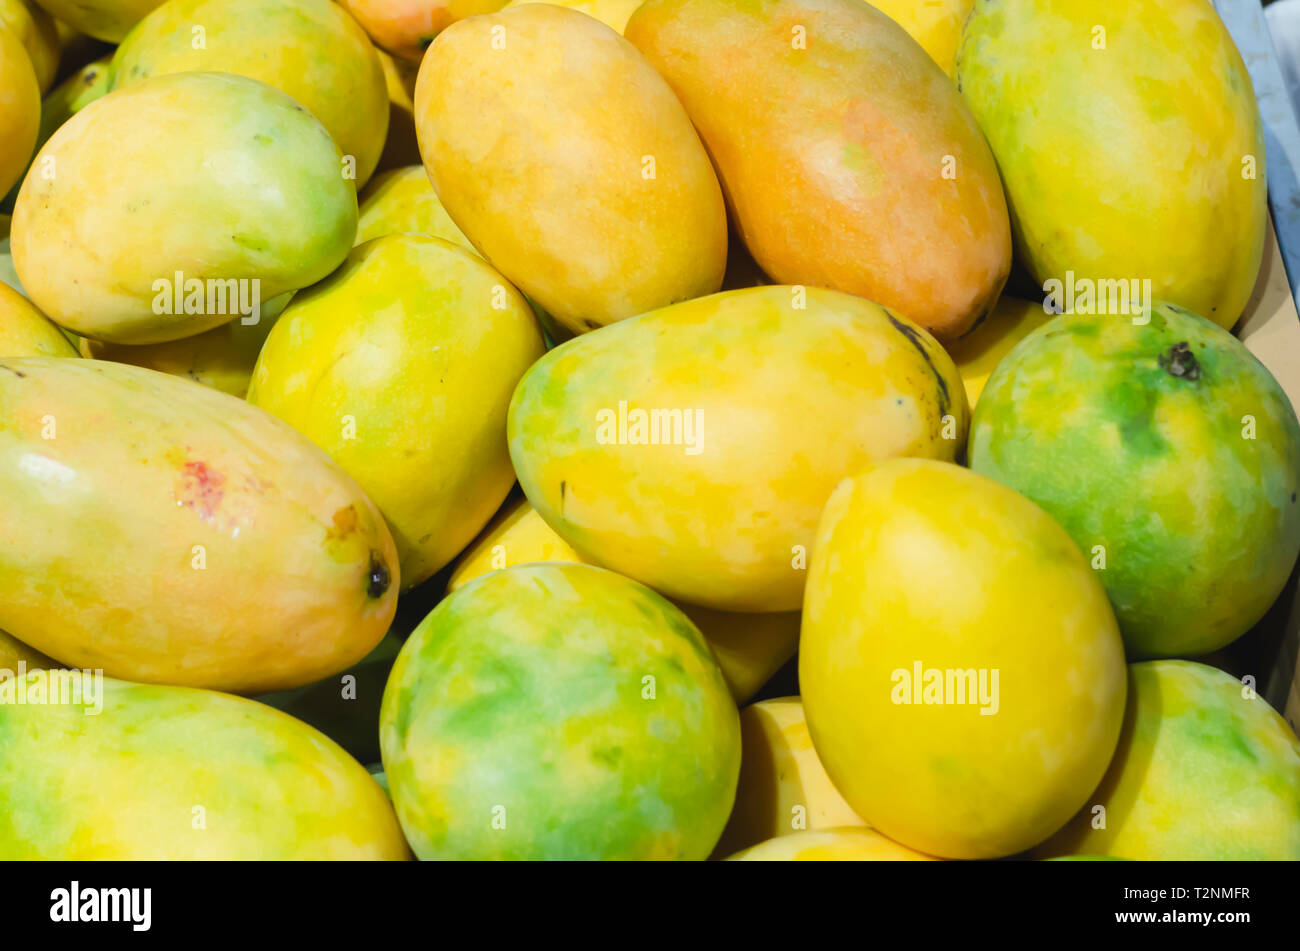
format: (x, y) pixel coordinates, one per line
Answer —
(613, 13)
(404, 200)
(25, 331)
(39, 36)
(979, 352)
(176, 773)
(559, 711)
(567, 161)
(1129, 141)
(761, 401)
(848, 159)
(962, 671)
(849, 844)
(405, 28)
(749, 648)
(99, 244)
(401, 365)
(168, 533)
(935, 24)
(20, 108)
(13, 652)
(310, 49)
(107, 20)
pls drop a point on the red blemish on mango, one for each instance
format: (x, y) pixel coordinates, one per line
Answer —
(201, 489)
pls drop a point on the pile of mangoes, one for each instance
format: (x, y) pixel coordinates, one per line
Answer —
(896, 339)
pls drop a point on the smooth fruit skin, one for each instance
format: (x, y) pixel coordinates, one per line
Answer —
(978, 353)
(310, 49)
(557, 711)
(783, 787)
(1170, 455)
(168, 533)
(750, 648)
(175, 773)
(935, 25)
(924, 562)
(570, 165)
(91, 247)
(405, 28)
(401, 366)
(403, 199)
(26, 332)
(1129, 141)
(1205, 770)
(848, 159)
(107, 20)
(790, 390)
(850, 844)
(14, 652)
(613, 13)
(40, 37)
(20, 108)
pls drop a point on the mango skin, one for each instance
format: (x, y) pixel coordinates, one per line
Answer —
(1184, 469)
(127, 783)
(403, 200)
(39, 36)
(794, 389)
(518, 723)
(749, 648)
(298, 575)
(107, 20)
(833, 148)
(405, 28)
(222, 358)
(783, 787)
(540, 154)
(1203, 772)
(26, 332)
(613, 13)
(849, 844)
(979, 352)
(20, 108)
(935, 25)
(310, 49)
(1125, 163)
(13, 652)
(919, 561)
(408, 341)
(90, 246)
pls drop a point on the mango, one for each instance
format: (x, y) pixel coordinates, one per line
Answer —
(222, 358)
(401, 366)
(693, 448)
(570, 165)
(613, 13)
(749, 648)
(405, 28)
(404, 200)
(848, 159)
(176, 773)
(401, 148)
(1169, 453)
(26, 332)
(1129, 141)
(1205, 770)
(168, 533)
(110, 249)
(14, 652)
(107, 20)
(978, 353)
(310, 49)
(935, 24)
(559, 711)
(850, 844)
(39, 36)
(930, 589)
(783, 787)
(20, 108)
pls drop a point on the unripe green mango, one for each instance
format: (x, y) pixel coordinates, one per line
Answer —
(176, 773)
(212, 178)
(168, 533)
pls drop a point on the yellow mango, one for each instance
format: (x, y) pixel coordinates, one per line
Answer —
(26, 332)
(107, 20)
(310, 49)
(783, 786)
(613, 13)
(930, 589)
(749, 648)
(848, 158)
(404, 200)
(109, 249)
(20, 108)
(570, 165)
(935, 24)
(761, 401)
(14, 652)
(979, 352)
(125, 773)
(167, 533)
(401, 148)
(39, 36)
(851, 844)
(400, 365)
